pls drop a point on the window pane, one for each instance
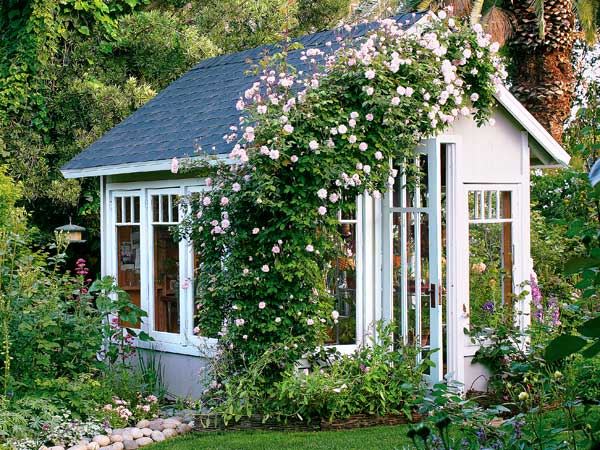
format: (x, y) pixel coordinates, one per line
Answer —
(166, 280)
(128, 264)
(490, 280)
(341, 282)
(489, 205)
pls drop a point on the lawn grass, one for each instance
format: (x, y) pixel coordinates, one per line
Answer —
(376, 438)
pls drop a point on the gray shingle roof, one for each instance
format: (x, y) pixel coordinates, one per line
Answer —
(196, 109)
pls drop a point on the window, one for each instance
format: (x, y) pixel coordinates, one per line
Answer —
(127, 229)
(165, 261)
(342, 281)
(156, 270)
(490, 256)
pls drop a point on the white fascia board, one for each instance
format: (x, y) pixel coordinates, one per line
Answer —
(140, 167)
(545, 140)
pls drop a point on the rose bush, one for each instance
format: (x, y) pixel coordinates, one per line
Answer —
(308, 142)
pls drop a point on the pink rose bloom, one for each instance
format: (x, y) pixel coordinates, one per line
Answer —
(262, 305)
(174, 165)
(235, 187)
(255, 230)
(276, 249)
(322, 210)
(313, 145)
(265, 268)
(370, 74)
(310, 248)
(294, 158)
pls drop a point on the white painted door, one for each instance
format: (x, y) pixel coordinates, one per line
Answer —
(412, 254)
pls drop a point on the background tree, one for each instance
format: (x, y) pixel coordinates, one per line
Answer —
(540, 35)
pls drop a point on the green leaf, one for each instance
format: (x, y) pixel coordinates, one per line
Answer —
(590, 328)
(575, 265)
(83, 29)
(563, 346)
(592, 350)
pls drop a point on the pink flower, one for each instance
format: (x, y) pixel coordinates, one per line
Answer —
(369, 90)
(310, 248)
(370, 74)
(352, 139)
(369, 117)
(310, 322)
(313, 145)
(185, 283)
(265, 268)
(274, 154)
(196, 330)
(206, 201)
(255, 230)
(343, 129)
(474, 97)
(288, 128)
(174, 165)
(262, 305)
(322, 210)
(322, 193)
(224, 201)
(240, 322)
(294, 158)
(235, 187)
(333, 197)
(354, 115)
(395, 101)
(261, 109)
(378, 155)
(276, 249)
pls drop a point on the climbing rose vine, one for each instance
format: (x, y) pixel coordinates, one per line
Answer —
(307, 143)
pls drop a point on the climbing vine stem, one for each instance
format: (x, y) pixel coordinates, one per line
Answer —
(317, 129)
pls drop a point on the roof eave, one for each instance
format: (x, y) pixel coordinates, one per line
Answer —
(559, 157)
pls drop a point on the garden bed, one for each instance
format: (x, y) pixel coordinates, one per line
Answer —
(213, 422)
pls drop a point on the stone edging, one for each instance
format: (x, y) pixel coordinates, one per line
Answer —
(144, 433)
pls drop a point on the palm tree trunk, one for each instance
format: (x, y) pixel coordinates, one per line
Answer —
(541, 68)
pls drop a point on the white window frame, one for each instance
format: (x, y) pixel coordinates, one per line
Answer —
(184, 342)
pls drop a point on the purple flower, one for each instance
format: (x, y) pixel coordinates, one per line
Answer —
(488, 307)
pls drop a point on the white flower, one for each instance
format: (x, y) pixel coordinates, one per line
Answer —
(335, 315)
(401, 90)
(378, 155)
(322, 193)
(261, 305)
(369, 90)
(333, 197)
(274, 154)
(240, 322)
(343, 129)
(174, 165)
(313, 145)
(494, 47)
(288, 128)
(255, 230)
(277, 319)
(196, 330)
(370, 74)
(294, 158)
(310, 322)
(265, 268)
(206, 201)
(409, 91)
(369, 117)
(261, 109)
(363, 146)
(467, 53)
(224, 201)
(395, 101)
(354, 115)
(352, 139)
(235, 187)
(474, 96)
(276, 249)
(442, 14)
(366, 168)
(322, 210)
(310, 248)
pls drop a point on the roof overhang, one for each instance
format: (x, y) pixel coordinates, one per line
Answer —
(543, 146)
(163, 165)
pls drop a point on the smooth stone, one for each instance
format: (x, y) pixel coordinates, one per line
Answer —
(116, 438)
(143, 423)
(117, 446)
(127, 436)
(157, 436)
(106, 447)
(146, 431)
(177, 418)
(83, 442)
(136, 433)
(156, 425)
(169, 432)
(143, 441)
(93, 446)
(78, 447)
(56, 447)
(182, 429)
(103, 441)
(118, 431)
(130, 444)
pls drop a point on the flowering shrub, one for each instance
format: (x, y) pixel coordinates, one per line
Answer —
(309, 142)
(120, 413)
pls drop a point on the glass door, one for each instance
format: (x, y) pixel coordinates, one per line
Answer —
(412, 254)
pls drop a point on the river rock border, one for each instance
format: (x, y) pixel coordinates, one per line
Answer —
(144, 433)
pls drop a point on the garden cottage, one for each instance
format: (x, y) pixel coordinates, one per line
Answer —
(439, 254)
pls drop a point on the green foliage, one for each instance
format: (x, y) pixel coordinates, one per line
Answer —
(373, 380)
(268, 230)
